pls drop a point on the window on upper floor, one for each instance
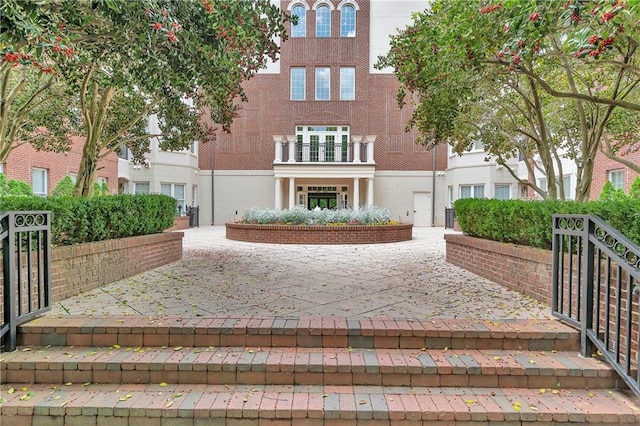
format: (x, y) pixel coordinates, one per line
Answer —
(39, 181)
(476, 145)
(299, 29)
(298, 84)
(616, 177)
(323, 21)
(323, 83)
(347, 83)
(348, 21)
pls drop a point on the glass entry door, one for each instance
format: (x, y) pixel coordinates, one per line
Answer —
(325, 200)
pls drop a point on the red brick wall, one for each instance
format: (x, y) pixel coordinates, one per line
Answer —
(269, 111)
(23, 159)
(524, 269)
(301, 234)
(602, 167)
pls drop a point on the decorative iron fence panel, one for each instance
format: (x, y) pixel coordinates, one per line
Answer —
(596, 287)
(26, 270)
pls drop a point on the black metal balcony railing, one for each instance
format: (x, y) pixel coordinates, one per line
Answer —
(323, 153)
(596, 287)
(25, 270)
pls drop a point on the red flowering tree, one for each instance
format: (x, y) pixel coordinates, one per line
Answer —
(542, 80)
(177, 59)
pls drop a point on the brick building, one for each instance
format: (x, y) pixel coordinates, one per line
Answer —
(43, 170)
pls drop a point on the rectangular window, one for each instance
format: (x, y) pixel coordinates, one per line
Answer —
(471, 191)
(298, 84)
(347, 83)
(323, 83)
(74, 177)
(476, 145)
(450, 195)
(39, 181)
(176, 191)
(566, 186)
(140, 187)
(542, 184)
(193, 148)
(194, 195)
(616, 177)
(1, 168)
(502, 192)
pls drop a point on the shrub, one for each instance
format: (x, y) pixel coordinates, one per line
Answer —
(609, 193)
(302, 216)
(634, 189)
(530, 222)
(64, 188)
(14, 187)
(79, 220)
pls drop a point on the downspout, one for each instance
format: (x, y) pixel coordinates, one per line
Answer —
(213, 203)
(433, 186)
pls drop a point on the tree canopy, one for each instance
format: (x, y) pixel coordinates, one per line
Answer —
(124, 60)
(537, 79)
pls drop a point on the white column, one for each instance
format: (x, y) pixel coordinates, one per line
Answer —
(370, 192)
(292, 148)
(356, 194)
(278, 142)
(292, 192)
(278, 200)
(370, 140)
(356, 148)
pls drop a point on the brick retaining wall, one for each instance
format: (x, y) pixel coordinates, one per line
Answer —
(83, 267)
(318, 234)
(524, 269)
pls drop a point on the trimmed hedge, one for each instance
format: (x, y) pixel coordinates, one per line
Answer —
(81, 220)
(529, 223)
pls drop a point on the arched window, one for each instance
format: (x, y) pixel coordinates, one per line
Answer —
(323, 21)
(348, 21)
(299, 29)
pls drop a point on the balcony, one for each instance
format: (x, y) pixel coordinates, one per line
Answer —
(289, 150)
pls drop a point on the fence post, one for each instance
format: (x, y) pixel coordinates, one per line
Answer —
(9, 268)
(586, 288)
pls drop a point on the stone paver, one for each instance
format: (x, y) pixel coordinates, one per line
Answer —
(222, 277)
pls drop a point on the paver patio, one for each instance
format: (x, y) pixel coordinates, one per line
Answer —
(222, 277)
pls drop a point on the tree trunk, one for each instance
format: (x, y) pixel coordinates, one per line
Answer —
(86, 174)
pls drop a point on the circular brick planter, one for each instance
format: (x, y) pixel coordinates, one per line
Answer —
(319, 234)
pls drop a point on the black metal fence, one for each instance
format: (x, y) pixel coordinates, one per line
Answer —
(323, 152)
(596, 287)
(449, 217)
(26, 270)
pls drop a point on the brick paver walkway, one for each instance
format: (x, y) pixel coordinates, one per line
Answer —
(222, 277)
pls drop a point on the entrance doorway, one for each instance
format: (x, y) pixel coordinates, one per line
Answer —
(324, 200)
(421, 209)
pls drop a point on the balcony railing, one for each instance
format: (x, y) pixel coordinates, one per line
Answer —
(317, 152)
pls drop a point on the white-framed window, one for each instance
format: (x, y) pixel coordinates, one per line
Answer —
(1, 167)
(476, 145)
(566, 187)
(101, 180)
(74, 177)
(39, 179)
(323, 21)
(194, 195)
(450, 195)
(141, 187)
(177, 191)
(298, 83)
(193, 148)
(299, 29)
(347, 83)
(348, 21)
(542, 184)
(322, 144)
(471, 191)
(323, 83)
(502, 192)
(616, 177)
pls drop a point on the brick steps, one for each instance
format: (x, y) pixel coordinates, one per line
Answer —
(311, 405)
(306, 366)
(536, 335)
(305, 371)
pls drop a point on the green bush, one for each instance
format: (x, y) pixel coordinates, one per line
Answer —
(529, 222)
(79, 220)
(634, 189)
(14, 187)
(64, 188)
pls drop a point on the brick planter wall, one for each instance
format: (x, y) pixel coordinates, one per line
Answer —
(84, 267)
(520, 268)
(318, 234)
(180, 223)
